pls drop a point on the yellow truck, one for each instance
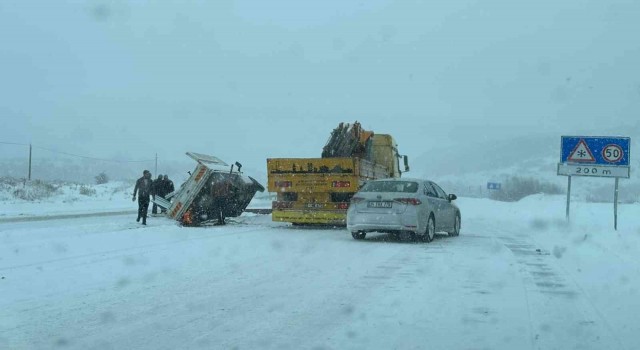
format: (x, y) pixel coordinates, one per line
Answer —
(318, 190)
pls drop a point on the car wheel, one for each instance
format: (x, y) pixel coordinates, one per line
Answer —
(358, 235)
(456, 226)
(430, 230)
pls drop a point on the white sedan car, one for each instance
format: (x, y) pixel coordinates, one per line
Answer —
(419, 207)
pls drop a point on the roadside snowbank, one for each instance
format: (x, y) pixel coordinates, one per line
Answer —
(38, 198)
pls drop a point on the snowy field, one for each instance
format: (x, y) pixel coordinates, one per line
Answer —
(518, 277)
(51, 199)
(38, 199)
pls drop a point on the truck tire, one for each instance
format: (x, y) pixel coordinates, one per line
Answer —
(358, 235)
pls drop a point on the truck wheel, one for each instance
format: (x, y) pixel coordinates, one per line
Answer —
(358, 235)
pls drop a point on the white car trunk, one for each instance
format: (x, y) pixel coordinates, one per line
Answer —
(381, 203)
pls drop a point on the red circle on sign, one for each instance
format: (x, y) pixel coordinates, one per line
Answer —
(612, 153)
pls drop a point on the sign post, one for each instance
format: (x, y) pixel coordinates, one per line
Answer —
(595, 157)
(30, 152)
(615, 207)
(568, 195)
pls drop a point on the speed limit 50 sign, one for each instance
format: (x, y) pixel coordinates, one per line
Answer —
(613, 153)
(594, 156)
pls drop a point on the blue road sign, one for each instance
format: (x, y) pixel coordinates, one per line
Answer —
(587, 150)
(494, 185)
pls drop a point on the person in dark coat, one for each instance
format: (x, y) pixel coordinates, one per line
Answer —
(158, 190)
(168, 187)
(221, 189)
(144, 189)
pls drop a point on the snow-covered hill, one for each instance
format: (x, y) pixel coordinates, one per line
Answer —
(35, 198)
(466, 168)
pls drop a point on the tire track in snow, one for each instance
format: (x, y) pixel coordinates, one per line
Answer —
(170, 243)
(553, 292)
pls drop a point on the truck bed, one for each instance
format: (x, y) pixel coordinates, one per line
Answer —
(320, 174)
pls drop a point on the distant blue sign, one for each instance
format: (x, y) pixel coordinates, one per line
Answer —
(494, 185)
(586, 150)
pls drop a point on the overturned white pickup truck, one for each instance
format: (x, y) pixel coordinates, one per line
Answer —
(214, 191)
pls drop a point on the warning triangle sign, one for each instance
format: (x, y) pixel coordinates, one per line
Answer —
(581, 153)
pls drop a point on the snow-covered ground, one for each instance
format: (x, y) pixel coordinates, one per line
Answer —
(37, 198)
(50, 199)
(518, 277)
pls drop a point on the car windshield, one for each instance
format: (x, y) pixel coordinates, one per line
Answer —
(391, 186)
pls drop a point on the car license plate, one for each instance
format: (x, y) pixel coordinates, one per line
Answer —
(380, 204)
(314, 205)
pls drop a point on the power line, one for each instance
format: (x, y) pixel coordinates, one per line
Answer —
(94, 158)
(78, 155)
(13, 143)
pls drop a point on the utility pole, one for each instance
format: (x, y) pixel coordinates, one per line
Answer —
(156, 170)
(30, 152)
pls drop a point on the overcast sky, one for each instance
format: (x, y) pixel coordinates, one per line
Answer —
(246, 80)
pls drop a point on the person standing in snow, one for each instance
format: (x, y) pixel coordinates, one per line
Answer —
(145, 187)
(221, 192)
(167, 187)
(158, 190)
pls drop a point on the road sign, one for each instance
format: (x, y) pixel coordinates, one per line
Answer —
(494, 186)
(612, 153)
(592, 170)
(609, 151)
(595, 157)
(581, 153)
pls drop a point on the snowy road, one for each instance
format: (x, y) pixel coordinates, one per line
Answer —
(64, 216)
(106, 283)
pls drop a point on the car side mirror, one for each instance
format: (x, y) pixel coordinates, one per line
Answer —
(452, 197)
